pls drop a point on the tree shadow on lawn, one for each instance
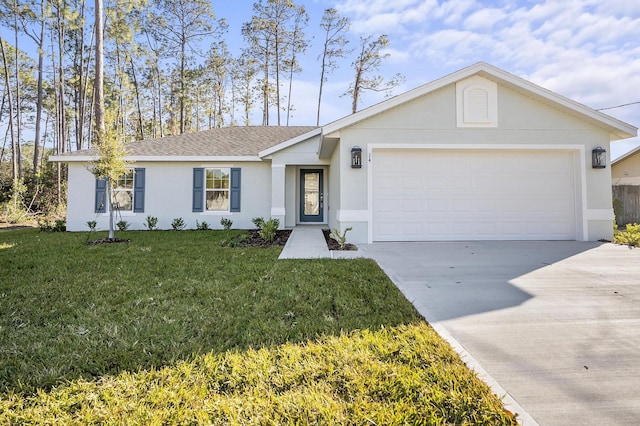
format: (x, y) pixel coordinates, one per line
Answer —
(70, 311)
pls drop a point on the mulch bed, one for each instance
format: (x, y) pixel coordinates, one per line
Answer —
(333, 244)
(107, 241)
(254, 239)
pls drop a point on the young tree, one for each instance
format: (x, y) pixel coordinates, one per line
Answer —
(335, 29)
(368, 61)
(110, 164)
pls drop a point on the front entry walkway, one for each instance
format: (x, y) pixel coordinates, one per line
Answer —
(305, 242)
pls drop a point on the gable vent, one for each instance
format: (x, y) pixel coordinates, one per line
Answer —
(476, 106)
(477, 102)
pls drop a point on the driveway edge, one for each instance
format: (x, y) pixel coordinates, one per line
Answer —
(523, 417)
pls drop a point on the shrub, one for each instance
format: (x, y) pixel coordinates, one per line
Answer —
(60, 225)
(92, 225)
(203, 226)
(123, 225)
(235, 241)
(178, 224)
(630, 236)
(47, 225)
(258, 222)
(268, 230)
(226, 223)
(151, 223)
(341, 239)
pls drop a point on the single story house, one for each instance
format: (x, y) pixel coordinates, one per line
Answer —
(479, 154)
(625, 178)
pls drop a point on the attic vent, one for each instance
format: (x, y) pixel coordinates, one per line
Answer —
(477, 102)
(476, 106)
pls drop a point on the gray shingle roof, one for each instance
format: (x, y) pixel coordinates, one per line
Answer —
(220, 142)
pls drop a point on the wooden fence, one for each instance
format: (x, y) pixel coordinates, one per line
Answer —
(626, 204)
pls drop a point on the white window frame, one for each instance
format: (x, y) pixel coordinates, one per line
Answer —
(226, 171)
(119, 189)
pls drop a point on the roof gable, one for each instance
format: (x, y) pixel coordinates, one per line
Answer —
(616, 128)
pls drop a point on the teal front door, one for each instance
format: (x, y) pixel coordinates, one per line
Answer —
(311, 195)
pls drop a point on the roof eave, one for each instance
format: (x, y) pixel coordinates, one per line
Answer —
(286, 144)
(626, 155)
(160, 158)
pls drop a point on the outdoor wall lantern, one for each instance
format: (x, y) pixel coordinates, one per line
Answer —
(599, 158)
(356, 157)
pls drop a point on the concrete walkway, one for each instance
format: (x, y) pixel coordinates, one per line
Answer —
(305, 242)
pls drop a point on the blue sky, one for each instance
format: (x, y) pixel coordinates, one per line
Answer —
(587, 50)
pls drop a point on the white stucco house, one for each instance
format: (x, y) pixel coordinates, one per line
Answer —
(479, 154)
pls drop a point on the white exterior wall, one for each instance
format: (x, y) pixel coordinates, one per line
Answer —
(430, 121)
(169, 195)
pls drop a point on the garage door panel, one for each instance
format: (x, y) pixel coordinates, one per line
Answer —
(473, 195)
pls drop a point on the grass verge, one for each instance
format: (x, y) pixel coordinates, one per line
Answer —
(174, 328)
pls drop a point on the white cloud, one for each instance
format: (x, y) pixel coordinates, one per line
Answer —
(484, 19)
(386, 16)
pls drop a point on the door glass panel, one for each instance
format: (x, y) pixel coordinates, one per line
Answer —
(311, 194)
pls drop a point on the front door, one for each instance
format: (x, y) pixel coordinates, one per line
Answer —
(311, 196)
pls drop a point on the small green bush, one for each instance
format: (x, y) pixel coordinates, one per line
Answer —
(226, 223)
(123, 225)
(202, 226)
(47, 225)
(92, 225)
(235, 241)
(178, 224)
(258, 222)
(341, 239)
(151, 223)
(60, 225)
(268, 230)
(630, 236)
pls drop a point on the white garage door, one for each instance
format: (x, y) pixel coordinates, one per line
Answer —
(439, 195)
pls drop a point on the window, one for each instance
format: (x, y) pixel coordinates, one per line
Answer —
(128, 194)
(123, 193)
(217, 189)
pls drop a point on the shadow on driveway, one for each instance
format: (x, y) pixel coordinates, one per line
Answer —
(555, 324)
(447, 280)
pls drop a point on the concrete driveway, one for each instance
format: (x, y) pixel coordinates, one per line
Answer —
(556, 325)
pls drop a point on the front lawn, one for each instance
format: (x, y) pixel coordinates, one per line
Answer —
(174, 328)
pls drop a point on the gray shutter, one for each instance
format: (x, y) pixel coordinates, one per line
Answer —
(198, 189)
(234, 192)
(138, 190)
(101, 196)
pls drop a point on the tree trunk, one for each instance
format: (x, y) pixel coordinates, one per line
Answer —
(183, 66)
(40, 96)
(18, 101)
(14, 154)
(140, 132)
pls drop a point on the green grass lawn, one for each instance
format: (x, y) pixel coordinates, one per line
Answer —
(173, 328)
